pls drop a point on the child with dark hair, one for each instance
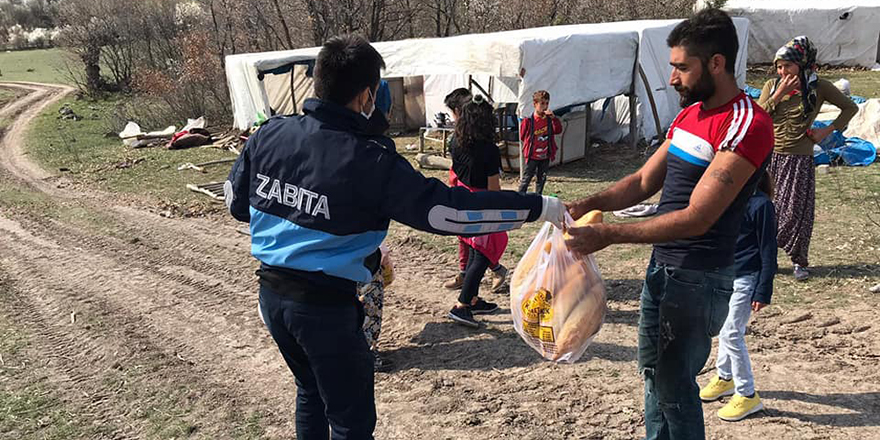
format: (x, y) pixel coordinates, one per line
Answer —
(752, 289)
(476, 165)
(538, 135)
(455, 100)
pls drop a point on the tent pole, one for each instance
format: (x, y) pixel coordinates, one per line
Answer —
(293, 88)
(588, 114)
(651, 100)
(633, 115)
(480, 88)
(520, 143)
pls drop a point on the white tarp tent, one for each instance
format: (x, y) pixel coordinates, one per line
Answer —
(578, 63)
(845, 32)
(654, 60)
(501, 89)
(247, 90)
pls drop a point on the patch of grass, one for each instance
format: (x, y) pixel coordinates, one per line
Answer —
(169, 421)
(252, 428)
(43, 65)
(16, 197)
(864, 83)
(6, 95)
(28, 410)
(90, 152)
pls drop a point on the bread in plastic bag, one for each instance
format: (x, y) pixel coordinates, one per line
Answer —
(557, 299)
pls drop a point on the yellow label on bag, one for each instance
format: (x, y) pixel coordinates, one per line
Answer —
(536, 311)
(542, 332)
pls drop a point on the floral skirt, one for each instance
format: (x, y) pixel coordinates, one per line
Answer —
(795, 203)
(371, 295)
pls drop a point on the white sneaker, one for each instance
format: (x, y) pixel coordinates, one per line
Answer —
(801, 273)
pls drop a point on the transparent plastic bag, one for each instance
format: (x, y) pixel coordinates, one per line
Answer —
(557, 299)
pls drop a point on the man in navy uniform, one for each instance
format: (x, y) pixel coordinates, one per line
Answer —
(319, 191)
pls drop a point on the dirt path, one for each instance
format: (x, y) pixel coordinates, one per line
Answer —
(145, 326)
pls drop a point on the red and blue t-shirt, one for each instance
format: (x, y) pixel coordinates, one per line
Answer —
(696, 135)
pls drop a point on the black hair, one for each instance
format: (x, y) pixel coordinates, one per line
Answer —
(708, 32)
(457, 98)
(346, 65)
(475, 124)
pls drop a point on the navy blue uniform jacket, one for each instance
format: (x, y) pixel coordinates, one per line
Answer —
(319, 191)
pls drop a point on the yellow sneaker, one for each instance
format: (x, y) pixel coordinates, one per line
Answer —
(716, 389)
(740, 407)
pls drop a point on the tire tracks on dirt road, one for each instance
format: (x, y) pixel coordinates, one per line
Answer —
(180, 292)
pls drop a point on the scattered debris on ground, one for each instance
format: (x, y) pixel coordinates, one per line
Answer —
(211, 189)
(430, 161)
(67, 114)
(200, 167)
(195, 133)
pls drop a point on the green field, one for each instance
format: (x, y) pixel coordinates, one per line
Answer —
(43, 65)
(90, 152)
(864, 83)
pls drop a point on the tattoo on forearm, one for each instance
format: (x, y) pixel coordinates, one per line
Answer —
(722, 176)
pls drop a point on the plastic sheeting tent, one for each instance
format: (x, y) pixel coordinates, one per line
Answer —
(576, 64)
(654, 60)
(572, 62)
(845, 32)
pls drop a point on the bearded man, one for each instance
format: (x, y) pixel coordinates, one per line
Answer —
(707, 170)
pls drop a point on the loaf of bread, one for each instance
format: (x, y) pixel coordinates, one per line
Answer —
(557, 298)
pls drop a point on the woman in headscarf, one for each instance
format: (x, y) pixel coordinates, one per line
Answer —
(793, 100)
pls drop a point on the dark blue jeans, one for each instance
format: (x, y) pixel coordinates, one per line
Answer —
(681, 310)
(325, 348)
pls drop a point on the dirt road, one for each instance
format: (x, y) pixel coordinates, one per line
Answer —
(146, 327)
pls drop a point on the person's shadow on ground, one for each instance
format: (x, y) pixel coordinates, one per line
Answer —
(450, 346)
(864, 408)
(838, 271)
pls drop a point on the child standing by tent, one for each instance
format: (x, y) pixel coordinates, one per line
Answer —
(537, 134)
(476, 165)
(752, 289)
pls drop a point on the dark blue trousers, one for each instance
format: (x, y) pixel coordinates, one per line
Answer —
(325, 348)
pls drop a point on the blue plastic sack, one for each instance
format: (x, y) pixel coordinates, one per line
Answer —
(752, 92)
(837, 148)
(820, 156)
(834, 140)
(858, 152)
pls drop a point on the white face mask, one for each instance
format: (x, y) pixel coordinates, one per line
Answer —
(369, 114)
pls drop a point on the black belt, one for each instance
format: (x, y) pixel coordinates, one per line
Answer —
(304, 291)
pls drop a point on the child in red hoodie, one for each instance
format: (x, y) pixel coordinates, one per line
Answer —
(539, 144)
